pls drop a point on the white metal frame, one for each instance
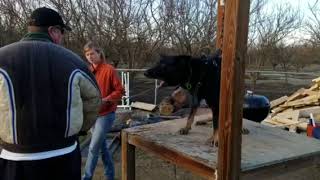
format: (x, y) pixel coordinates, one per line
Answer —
(125, 80)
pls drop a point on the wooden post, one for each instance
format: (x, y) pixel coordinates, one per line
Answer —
(127, 158)
(232, 88)
(220, 23)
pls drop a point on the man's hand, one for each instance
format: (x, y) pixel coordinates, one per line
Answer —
(106, 102)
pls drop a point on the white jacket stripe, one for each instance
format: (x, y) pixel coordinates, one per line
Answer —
(78, 80)
(8, 130)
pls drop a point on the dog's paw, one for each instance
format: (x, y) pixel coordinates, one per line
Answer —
(214, 139)
(245, 131)
(212, 142)
(184, 131)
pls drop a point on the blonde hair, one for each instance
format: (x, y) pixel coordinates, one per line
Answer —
(92, 46)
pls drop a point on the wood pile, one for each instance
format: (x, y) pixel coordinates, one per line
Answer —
(293, 112)
(166, 107)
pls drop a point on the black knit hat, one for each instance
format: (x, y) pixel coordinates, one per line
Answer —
(46, 17)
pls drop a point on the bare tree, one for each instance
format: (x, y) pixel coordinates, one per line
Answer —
(133, 32)
(313, 23)
(271, 31)
(303, 55)
(191, 25)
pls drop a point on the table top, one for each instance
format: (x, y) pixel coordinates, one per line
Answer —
(263, 146)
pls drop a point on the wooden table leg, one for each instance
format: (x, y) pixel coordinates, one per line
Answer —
(127, 158)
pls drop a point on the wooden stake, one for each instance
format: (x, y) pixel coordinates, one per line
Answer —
(220, 23)
(232, 88)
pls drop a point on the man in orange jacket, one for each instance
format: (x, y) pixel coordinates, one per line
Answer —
(111, 92)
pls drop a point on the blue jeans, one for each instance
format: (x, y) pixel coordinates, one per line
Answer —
(98, 142)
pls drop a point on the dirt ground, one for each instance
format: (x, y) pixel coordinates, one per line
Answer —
(149, 167)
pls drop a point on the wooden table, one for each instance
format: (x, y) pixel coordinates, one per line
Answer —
(266, 152)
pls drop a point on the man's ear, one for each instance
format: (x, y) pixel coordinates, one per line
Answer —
(52, 32)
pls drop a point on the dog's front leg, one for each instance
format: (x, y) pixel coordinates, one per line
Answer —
(190, 120)
(214, 139)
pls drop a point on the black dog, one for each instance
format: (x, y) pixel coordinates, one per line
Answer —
(200, 76)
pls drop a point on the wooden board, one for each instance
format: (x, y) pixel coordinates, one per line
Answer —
(314, 87)
(302, 102)
(294, 114)
(306, 111)
(301, 124)
(144, 106)
(278, 109)
(310, 93)
(263, 147)
(316, 80)
(298, 94)
(278, 101)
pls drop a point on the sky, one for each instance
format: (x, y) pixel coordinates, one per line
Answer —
(303, 6)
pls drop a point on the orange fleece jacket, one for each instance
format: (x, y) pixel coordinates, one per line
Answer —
(110, 86)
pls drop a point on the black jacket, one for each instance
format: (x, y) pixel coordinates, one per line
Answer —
(47, 95)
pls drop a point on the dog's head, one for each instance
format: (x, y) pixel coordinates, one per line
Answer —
(173, 70)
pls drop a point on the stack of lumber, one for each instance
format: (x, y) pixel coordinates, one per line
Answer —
(293, 112)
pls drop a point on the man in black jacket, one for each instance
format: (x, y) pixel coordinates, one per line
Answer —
(47, 96)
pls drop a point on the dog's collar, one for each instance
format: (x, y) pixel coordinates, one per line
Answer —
(188, 86)
(194, 87)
